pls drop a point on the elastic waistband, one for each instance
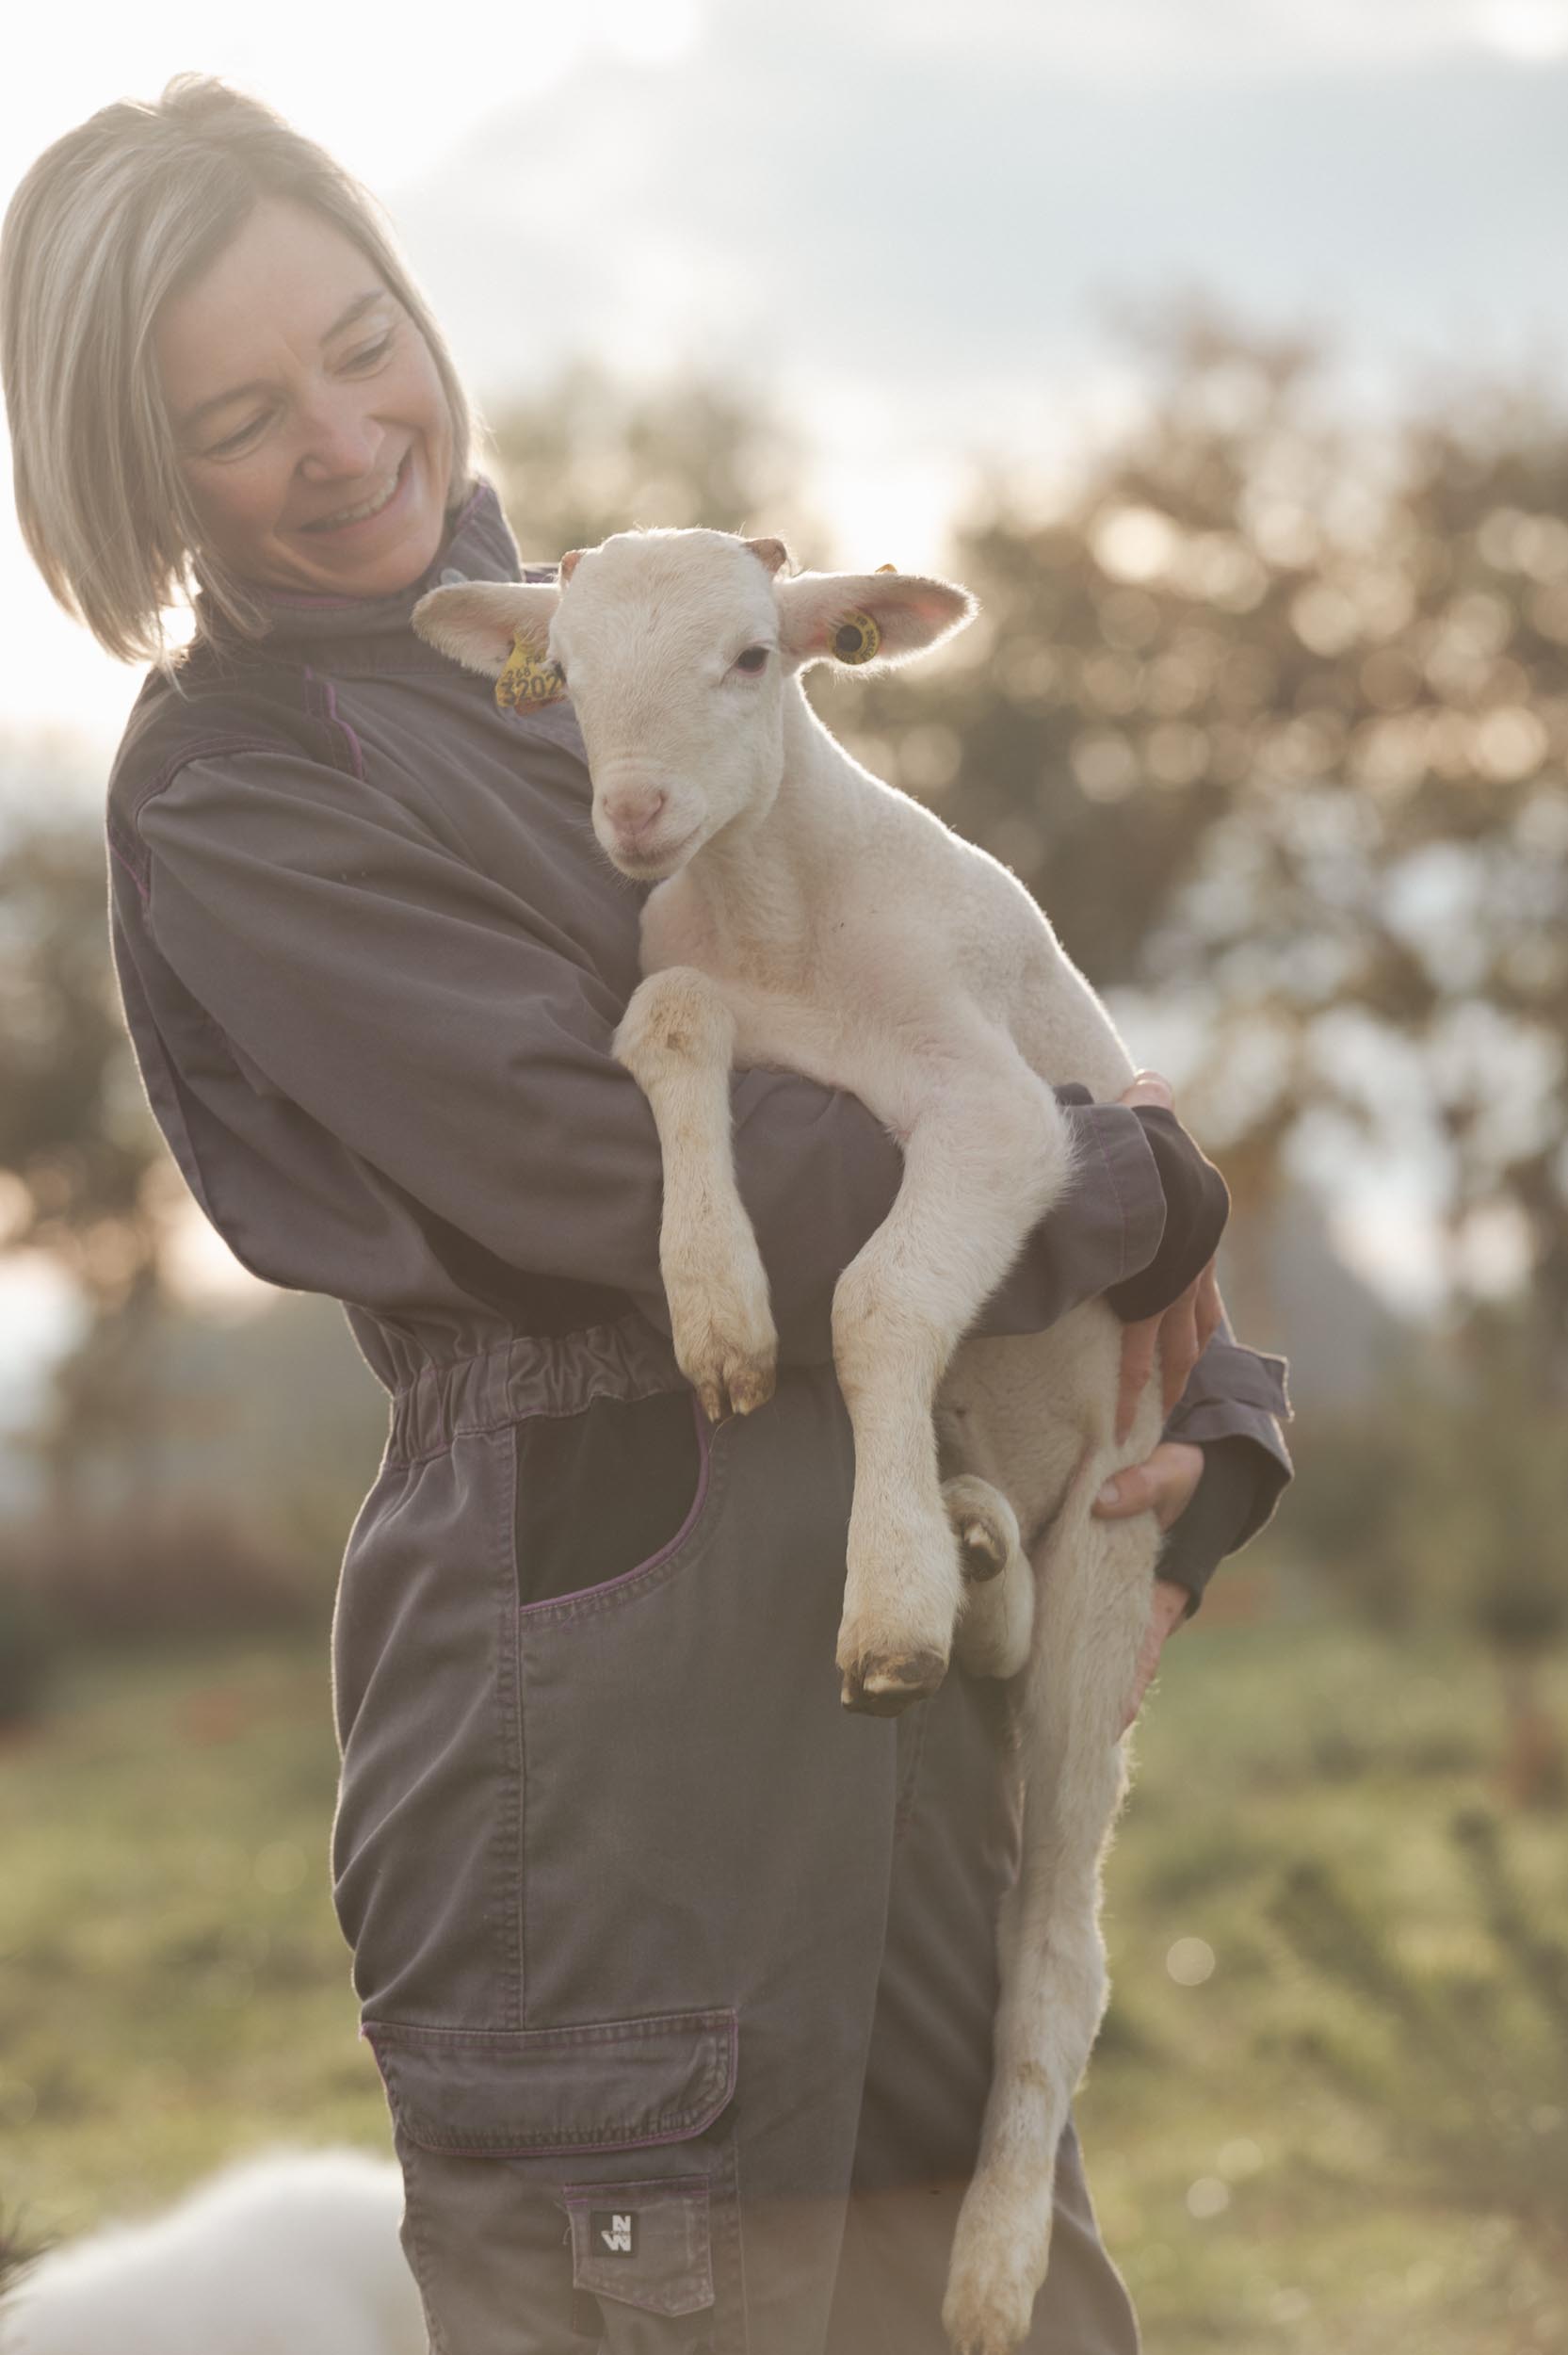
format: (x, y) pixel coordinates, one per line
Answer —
(527, 1376)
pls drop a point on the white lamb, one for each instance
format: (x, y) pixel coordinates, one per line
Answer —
(292, 2254)
(810, 916)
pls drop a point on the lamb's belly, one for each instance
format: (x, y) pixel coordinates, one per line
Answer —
(897, 1072)
(1021, 1410)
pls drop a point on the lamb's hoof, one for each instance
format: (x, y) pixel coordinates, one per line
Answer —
(1001, 2249)
(730, 1379)
(987, 2318)
(983, 1549)
(984, 1524)
(883, 1686)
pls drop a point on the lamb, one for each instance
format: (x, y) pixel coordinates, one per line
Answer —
(298, 2249)
(809, 916)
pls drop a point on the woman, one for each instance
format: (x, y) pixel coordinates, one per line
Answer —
(679, 1978)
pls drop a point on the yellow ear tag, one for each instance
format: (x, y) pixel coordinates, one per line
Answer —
(857, 639)
(527, 678)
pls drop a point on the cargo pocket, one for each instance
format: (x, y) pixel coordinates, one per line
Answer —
(610, 2200)
(646, 2244)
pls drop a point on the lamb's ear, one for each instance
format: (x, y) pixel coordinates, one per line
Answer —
(476, 621)
(860, 618)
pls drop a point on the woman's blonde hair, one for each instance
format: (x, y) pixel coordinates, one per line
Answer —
(110, 220)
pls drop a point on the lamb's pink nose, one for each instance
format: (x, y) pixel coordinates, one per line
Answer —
(634, 811)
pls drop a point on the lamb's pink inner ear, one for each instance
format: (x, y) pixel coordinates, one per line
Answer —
(772, 553)
(475, 622)
(910, 610)
(569, 564)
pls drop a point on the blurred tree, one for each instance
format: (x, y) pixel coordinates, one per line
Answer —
(1449, 1498)
(589, 456)
(1276, 721)
(79, 1155)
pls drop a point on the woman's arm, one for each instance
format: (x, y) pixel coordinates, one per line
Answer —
(453, 1035)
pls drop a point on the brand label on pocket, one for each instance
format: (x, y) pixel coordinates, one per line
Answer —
(612, 2231)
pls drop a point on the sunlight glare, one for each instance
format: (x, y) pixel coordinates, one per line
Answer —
(1530, 30)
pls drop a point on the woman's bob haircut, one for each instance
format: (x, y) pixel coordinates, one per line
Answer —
(108, 223)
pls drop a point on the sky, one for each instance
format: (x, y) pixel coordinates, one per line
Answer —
(907, 225)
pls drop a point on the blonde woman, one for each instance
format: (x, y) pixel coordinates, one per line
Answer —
(680, 1979)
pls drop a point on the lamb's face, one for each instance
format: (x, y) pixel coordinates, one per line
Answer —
(669, 647)
(675, 647)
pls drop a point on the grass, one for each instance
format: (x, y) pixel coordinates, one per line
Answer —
(173, 1989)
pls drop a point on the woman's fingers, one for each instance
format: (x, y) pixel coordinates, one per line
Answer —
(1149, 1087)
(1162, 1484)
(1138, 1342)
(1212, 1309)
(1178, 1344)
(1168, 1606)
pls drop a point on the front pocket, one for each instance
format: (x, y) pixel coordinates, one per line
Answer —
(606, 1492)
(644, 2244)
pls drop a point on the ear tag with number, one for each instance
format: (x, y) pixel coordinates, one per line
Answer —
(857, 639)
(527, 678)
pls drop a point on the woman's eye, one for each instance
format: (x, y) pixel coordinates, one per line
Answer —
(753, 660)
(368, 354)
(233, 443)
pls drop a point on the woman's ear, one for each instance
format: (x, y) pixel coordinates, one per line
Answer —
(476, 621)
(861, 618)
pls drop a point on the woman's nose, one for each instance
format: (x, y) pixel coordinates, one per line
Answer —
(342, 439)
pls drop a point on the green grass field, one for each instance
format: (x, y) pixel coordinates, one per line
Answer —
(1324, 2122)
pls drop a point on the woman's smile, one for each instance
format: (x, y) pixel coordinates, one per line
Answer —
(366, 510)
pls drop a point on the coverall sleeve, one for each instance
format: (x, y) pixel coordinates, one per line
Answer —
(455, 1037)
(1233, 1406)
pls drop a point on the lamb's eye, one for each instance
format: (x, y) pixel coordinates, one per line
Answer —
(753, 660)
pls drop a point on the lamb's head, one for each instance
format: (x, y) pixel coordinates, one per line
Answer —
(676, 648)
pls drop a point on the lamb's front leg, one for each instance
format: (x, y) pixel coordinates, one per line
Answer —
(982, 1164)
(677, 1040)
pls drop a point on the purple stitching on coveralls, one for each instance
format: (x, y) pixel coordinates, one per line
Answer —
(591, 1594)
(132, 869)
(328, 697)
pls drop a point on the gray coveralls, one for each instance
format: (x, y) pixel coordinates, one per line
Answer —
(679, 1978)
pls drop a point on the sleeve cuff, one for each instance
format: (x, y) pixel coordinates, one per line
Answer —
(1107, 1227)
(1234, 1403)
(1240, 1486)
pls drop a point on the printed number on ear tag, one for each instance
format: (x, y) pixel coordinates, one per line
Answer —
(527, 678)
(857, 639)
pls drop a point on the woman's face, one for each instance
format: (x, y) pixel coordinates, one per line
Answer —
(313, 430)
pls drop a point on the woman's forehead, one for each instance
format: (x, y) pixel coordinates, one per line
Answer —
(286, 284)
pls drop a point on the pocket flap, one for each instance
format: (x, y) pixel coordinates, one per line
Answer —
(617, 2085)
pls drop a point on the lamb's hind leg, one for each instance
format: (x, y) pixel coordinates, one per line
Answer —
(980, 1166)
(1093, 1602)
(677, 1040)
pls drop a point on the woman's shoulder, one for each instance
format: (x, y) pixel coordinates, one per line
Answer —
(212, 705)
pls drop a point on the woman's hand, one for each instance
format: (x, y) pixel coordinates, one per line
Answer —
(1180, 1333)
(1164, 1487)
